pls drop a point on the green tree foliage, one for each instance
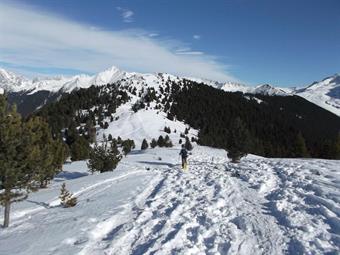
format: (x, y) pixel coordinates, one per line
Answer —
(161, 141)
(188, 144)
(22, 146)
(80, 149)
(49, 154)
(272, 125)
(103, 157)
(82, 108)
(238, 140)
(167, 141)
(153, 143)
(128, 145)
(66, 198)
(337, 147)
(299, 147)
(167, 130)
(145, 145)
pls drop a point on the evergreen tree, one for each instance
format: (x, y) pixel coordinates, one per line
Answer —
(237, 140)
(167, 130)
(109, 138)
(91, 131)
(50, 154)
(128, 145)
(160, 141)
(337, 147)
(299, 147)
(145, 145)
(153, 143)
(104, 158)
(188, 144)
(167, 141)
(21, 147)
(79, 150)
(66, 198)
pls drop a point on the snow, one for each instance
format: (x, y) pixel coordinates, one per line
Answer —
(325, 94)
(150, 206)
(144, 124)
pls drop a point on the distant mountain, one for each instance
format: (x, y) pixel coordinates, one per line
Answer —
(325, 93)
(14, 83)
(30, 94)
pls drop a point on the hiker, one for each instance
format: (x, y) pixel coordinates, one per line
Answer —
(184, 155)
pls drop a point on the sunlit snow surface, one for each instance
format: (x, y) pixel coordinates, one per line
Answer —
(149, 205)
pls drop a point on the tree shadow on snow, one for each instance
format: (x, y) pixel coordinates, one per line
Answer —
(69, 176)
(157, 163)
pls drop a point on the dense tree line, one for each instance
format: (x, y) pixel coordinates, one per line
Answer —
(77, 114)
(29, 156)
(280, 126)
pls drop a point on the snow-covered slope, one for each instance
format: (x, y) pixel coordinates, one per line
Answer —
(10, 81)
(325, 93)
(150, 206)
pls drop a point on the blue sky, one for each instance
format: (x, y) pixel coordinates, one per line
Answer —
(285, 43)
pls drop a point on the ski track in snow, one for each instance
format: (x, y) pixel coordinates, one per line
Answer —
(260, 206)
(219, 208)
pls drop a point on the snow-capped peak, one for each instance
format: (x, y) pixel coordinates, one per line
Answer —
(325, 93)
(268, 90)
(110, 75)
(9, 81)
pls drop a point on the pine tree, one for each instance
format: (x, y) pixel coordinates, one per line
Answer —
(237, 140)
(167, 130)
(79, 150)
(153, 143)
(50, 154)
(160, 141)
(337, 147)
(188, 144)
(66, 198)
(128, 145)
(145, 145)
(109, 138)
(103, 157)
(167, 141)
(21, 147)
(299, 148)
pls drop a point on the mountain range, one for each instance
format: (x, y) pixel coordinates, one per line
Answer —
(325, 93)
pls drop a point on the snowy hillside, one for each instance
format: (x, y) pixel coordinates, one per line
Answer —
(150, 206)
(325, 93)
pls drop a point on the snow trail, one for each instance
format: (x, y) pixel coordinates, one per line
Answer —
(149, 205)
(203, 210)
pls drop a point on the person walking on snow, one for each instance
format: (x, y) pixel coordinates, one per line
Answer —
(184, 155)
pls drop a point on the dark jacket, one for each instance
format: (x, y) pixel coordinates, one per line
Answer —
(184, 153)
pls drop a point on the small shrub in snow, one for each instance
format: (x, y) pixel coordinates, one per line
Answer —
(66, 198)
